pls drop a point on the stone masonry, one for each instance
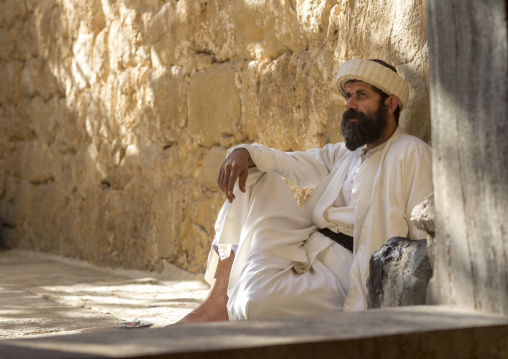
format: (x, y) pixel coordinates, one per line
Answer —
(116, 115)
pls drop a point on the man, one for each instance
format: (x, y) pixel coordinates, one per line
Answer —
(277, 259)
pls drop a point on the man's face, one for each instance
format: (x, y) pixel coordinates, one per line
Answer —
(365, 118)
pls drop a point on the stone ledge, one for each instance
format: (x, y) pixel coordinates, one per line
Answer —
(407, 332)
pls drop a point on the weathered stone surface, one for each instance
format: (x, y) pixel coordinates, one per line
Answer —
(166, 105)
(471, 154)
(393, 333)
(424, 215)
(211, 165)
(399, 273)
(214, 104)
(114, 115)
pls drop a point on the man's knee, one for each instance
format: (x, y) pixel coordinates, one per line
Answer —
(247, 305)
(259, 288)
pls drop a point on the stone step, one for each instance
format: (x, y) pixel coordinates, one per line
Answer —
(405, 332)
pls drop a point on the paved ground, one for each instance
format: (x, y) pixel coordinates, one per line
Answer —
(43, 294)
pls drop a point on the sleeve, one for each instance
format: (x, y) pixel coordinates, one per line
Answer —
(418, 183)
(302, 168)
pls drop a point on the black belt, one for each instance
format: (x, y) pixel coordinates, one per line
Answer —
(343, 239)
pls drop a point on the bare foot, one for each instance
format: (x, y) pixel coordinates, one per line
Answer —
(213, 309)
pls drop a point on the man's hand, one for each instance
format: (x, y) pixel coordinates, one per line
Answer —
(235, 167)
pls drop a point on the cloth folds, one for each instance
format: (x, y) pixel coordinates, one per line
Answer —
(343, 239)
(267, 219)
(283, 265)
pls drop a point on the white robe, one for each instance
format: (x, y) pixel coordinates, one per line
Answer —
(401, 180)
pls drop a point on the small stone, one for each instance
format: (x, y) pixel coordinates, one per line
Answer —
(423, 215)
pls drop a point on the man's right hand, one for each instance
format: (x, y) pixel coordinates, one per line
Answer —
(235, 167)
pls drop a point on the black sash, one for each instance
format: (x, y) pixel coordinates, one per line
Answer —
(343, 239)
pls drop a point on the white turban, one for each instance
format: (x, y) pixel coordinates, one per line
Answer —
(374, 74)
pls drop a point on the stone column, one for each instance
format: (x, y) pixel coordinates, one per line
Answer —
(469, 66)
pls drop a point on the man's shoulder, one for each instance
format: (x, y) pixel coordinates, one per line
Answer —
(408, 146)
(336, 150)
(406, 140)
(337, 146)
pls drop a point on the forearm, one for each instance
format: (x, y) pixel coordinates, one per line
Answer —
(304, 169)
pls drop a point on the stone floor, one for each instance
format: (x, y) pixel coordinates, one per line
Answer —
(43, 294)
(393, 333)
(53, 307)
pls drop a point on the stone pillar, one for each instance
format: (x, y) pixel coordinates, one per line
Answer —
(469, 66)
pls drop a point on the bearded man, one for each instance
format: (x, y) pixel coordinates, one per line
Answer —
(270, 258)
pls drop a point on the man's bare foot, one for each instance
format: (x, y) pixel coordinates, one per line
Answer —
(213, 309)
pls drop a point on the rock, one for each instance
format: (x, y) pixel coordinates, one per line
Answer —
(399, 273)
(423, 215)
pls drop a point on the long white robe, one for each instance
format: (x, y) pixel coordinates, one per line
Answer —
(401, 180)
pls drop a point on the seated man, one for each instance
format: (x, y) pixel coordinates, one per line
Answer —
(270, 258)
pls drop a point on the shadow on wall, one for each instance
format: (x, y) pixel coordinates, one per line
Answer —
(469, 93)
(95, 170)
(123, 114)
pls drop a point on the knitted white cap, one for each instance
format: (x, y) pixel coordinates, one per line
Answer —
(374, 74)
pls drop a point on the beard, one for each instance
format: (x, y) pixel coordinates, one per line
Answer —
(368, 129)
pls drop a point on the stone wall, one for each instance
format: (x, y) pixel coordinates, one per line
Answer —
(116, 114)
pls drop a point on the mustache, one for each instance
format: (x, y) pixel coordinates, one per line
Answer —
(352, 114)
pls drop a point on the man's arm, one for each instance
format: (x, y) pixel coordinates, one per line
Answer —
(302, 168)
(418, 184)
(236, 167)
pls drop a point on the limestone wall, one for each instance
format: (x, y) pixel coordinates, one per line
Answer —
(116, 114)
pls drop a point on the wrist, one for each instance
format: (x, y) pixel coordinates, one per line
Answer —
(247, 154)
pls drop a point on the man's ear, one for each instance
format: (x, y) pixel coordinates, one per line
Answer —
(392, 102)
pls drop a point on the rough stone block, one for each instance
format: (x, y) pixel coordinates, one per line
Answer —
(399, 273)
(166, 104)
(11, 76)
(313, 16)
(17, 131)
(100, 57)
(214, 105)
(40, 161)
(423, 215)
(293, 105)
(211, 165)
(11, 11)
(255, 30)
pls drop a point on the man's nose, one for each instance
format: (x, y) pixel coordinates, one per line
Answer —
(351, 103)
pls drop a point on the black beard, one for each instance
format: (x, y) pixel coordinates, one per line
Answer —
(368, 129)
